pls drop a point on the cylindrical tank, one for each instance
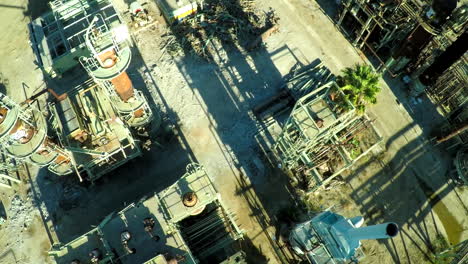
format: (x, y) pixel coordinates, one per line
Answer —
(381, 231)
(108, 67)
(23, 135)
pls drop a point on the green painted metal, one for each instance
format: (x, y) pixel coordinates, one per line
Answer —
(318, 125)
(169, 213)
(101, 39)
(57, 36)
(38, 149)
(108, 143)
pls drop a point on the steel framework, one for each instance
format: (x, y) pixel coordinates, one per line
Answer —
(88, 126)
(320, 129)
(57, 37)
(162, 228)
(24, 137)
(107, 65)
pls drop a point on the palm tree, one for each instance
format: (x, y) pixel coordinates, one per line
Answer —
(360, 86)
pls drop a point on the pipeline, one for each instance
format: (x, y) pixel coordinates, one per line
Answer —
(452, 134)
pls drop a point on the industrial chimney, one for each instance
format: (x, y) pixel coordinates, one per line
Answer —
(381, 231)
(330, 236)
(110, 59)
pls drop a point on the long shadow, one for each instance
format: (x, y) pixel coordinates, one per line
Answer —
(415, 174)
(11, 6)
(265, 213)
(145, 244)
(228, 86)
(68, 201)
(225, 88)
(408, 189)
(329, 8)
(35, 8)
(421, 109)
(9, 256)
(3, 88)
(254, 254)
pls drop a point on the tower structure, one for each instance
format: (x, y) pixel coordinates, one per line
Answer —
(332, 238)
(186, 223)
(107, 65)
(93, 33)
(23, 136)
(92, 118)
(89, 126)
(323, 135)
(57, 37)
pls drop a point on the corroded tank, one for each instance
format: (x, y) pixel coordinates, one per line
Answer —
(107, 65)
(23, 136)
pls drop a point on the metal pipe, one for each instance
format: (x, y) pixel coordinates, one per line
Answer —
(87, 151)
(382, 231)
(60, 97)
(452, 134)
(9, 178)
(88, 41)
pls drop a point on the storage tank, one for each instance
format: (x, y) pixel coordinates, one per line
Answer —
(23, 136)
(331, 238)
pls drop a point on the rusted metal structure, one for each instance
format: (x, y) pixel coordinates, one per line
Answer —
(424, 42)
(92, 32)
(323, 136)
(186, 223)
(89, 127)
(110, 57)
(57, 37)
(96, 120)
(24, 136)
(406, 36)
(450, 95)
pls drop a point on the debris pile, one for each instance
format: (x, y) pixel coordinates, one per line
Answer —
(19, 213)
(232, 22)
(19, 216)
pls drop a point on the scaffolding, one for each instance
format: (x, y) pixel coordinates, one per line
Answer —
(57, 37)
(402, 35)
(186, 222)
(94, 120)
(450, 92)
(324, 136)
(9, 175)
(419, 40)
(107, 64)
(24, 137)
(381, 27)
(90, 129)
(450, 95)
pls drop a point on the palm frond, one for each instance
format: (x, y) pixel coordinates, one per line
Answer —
(361, 85)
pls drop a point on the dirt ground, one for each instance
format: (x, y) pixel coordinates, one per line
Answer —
(209, 106)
